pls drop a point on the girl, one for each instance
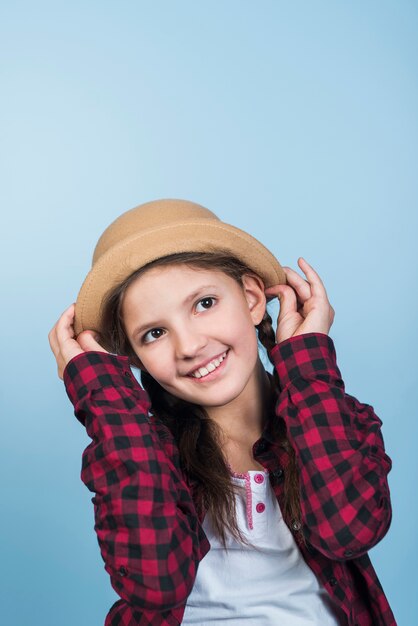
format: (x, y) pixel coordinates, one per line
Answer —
(222, 492)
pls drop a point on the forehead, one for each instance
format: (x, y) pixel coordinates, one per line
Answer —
(175, 280)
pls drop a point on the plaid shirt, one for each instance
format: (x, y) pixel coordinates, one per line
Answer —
(148, 522)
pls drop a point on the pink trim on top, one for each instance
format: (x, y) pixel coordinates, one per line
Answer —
(248, 493)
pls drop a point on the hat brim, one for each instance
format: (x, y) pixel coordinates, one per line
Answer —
(203, 235)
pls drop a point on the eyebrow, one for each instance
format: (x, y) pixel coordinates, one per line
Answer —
(191, 296)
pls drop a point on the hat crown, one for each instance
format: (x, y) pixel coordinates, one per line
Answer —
(149, 216)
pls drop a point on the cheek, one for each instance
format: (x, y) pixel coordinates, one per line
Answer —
(158, 369)
(159, 364)
(241, 335)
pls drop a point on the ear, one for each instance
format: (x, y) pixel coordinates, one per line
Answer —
(255, 296)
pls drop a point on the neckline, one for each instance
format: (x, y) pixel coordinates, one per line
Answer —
(246, 474)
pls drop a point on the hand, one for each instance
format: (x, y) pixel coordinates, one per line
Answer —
(62, 342)
(304, 304)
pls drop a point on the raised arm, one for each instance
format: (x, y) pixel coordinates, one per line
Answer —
(145, 519)
(345, 498)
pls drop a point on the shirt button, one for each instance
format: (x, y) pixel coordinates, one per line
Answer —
(259, 478)
(333, 581)
(277, 474)
(260, 507)
(128, 376)
(296, 525)
(122, 571)
(348, 553)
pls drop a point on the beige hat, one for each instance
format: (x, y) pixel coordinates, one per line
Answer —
(153, 230)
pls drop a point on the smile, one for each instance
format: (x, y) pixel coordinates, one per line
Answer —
(211, 370)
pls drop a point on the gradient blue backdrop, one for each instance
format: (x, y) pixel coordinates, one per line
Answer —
(296, 121)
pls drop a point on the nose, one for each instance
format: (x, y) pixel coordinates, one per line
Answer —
(189, 342)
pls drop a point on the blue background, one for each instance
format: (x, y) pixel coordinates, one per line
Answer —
(296, 121)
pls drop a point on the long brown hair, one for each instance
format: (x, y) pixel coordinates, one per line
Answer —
(197, 436)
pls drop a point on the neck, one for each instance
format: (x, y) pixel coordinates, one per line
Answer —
(242, 420)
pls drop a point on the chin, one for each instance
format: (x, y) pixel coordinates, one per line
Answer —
(219, 395)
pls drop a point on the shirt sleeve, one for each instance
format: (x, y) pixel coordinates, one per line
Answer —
(146, 523)
(344, 492)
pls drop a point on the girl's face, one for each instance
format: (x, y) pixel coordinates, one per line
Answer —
(179, 319)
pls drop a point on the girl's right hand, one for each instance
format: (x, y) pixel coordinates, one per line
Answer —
(62, 342)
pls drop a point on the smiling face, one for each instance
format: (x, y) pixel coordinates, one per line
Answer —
(179, 319)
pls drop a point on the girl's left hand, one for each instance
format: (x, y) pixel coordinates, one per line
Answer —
(304, 304)
(63, 343)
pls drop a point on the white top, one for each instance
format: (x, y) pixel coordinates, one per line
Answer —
(268, 586)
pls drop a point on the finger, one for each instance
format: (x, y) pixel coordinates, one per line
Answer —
(53, 343)
(273, 291)
(54, 340)
(270, 295)
(298, 283)
(287, 297)
(317, 286)
(88, 341)
(64, 326)
(288, 310)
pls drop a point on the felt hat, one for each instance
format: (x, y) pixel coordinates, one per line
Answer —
(153, 230)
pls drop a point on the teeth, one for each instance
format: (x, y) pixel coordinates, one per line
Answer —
(210, 367)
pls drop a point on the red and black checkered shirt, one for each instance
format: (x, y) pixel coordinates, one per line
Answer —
(148, 522)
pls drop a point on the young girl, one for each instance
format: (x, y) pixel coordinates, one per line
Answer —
(223, 493)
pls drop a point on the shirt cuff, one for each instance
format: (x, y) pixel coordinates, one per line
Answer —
(304, 356)
(93, 370)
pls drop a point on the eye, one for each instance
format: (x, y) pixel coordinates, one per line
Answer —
(206, 300)
(153, 330)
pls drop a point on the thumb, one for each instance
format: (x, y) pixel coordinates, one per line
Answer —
(89, 340)
(287, 300)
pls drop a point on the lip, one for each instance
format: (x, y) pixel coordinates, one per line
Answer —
(204, 363)
(213, 374)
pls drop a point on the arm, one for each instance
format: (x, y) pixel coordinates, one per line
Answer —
(345, 498)
(145, 519)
